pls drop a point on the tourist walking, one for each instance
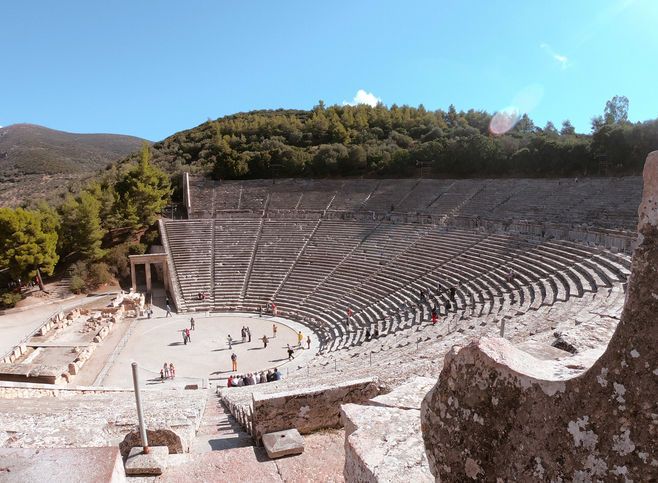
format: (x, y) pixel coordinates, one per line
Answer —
(265, 340)
(234, 362)
(192, 326)
(161, 376)
(248, 334)
(274, 329)
(168, 314)
(290, 353)
(182, 331)
(187, 334)
(166, 370)
(300, 338)
(308, 342)
(172, 370)
(230, 341)
(243, 333)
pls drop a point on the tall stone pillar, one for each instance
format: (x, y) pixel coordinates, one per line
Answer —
(133, 275)
(147, 269)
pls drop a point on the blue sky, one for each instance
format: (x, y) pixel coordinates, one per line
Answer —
(151, 68)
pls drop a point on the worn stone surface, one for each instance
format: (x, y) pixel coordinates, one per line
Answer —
(165, 438)
(407, 396)
(497, 412)
(283, 443)
(84, 465)
(310, 409)
(152, 463)
(246, 464)
(97, 419)
(383, 444)
(323, 459)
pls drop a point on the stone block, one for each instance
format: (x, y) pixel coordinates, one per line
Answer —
(151, 464)
(98, 465)
(283, 443)
(308, 409)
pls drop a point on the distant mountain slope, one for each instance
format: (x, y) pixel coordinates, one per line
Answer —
(31, 149)
(36, 161)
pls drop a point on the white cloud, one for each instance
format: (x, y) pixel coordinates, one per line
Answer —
(363, 97)
(562, 60)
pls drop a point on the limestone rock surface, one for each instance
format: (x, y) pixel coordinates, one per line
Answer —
(499, 413)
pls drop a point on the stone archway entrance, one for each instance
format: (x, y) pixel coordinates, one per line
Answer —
(148, 260)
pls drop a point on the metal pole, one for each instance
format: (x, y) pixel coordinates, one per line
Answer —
(140, 414)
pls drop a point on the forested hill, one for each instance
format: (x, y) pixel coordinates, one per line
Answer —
(381, 141)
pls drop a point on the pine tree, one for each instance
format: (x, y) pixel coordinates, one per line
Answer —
(143, 192)
(28, 243)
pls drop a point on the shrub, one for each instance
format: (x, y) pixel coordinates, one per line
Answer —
(99, 274)
(10, 299)
(77, 284)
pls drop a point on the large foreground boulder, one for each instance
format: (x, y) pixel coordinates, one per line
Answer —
(497, 412)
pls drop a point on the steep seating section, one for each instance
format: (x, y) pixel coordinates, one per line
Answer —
(280, 243)
(234, 244)
(190, 242)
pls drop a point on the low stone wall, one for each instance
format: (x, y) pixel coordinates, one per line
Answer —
(18, 390)
(310, 409)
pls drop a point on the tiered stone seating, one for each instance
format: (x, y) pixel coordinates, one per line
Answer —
(602, 202)
(234, 243)
(315, 269)
(354, 194)
(280, 243)
(389, 194)
(190, 242)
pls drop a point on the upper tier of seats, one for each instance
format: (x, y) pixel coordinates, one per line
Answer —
(601, 202)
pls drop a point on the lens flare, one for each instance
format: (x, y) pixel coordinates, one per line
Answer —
(523, 103)
(504, 120)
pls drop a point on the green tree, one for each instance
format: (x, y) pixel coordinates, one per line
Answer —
(28, 243)
(616, 110)
(81, 230)
(143, 192)
(567, 128)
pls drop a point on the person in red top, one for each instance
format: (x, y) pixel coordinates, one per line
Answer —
(229, 383)
(435, 316)
(349, 316)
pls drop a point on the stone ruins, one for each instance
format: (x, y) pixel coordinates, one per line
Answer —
(530, 372)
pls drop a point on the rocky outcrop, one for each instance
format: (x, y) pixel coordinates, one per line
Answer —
(497, 412)
(309, 409)
(382, 437)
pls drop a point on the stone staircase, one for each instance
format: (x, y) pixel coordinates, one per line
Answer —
(218, 430)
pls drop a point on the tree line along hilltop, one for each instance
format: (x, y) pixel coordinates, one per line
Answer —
(380, 141)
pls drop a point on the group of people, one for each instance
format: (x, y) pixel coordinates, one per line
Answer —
(186, 332)
(253, 378)
(168, 371)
